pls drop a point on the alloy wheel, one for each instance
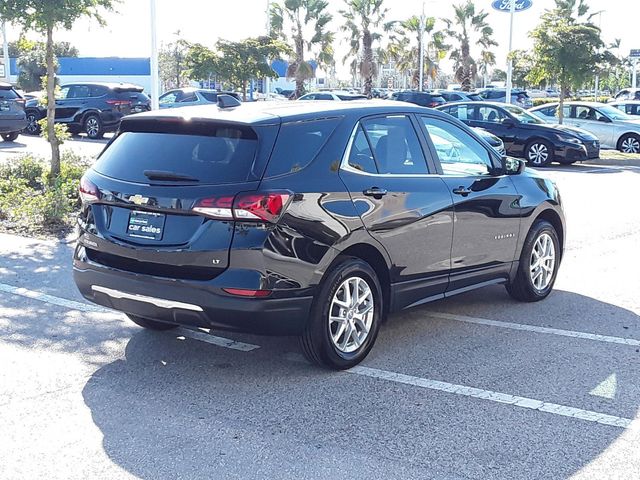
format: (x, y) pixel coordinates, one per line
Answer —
(538, 153)
(631, 145)
(32, 124)
(351, 315)
(543, 261)
(92, 126)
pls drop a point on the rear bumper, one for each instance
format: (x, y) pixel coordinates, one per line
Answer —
(190, 303)
(8, 125)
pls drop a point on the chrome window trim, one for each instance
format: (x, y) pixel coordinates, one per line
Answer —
(344, 163)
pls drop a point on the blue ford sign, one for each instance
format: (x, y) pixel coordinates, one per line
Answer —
(503, 5)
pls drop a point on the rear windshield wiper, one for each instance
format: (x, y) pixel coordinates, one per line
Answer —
(165, 175)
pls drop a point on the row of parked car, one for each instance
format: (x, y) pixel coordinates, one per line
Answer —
(534, 133)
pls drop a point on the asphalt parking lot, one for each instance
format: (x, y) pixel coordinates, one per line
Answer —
(473, 387)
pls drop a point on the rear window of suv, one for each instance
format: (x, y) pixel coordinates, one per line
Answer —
(225, 155)
(8, 93)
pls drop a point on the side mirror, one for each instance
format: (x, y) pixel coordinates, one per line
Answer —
(513, 166)
(604, 119)
(508, 122)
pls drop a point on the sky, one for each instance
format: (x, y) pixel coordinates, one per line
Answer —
(127, 33)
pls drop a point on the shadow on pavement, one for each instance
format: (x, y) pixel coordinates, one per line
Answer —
(174, 407)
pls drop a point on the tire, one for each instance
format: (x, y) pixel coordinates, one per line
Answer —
(10, 137)
(538, 153)
(32, 127)
(629, 143)
(528, 285)
(92, 126)
(150, 324)
(321, 341)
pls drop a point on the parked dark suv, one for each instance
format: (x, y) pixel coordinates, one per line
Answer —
(90, 107)
(314, 219)
(424, 99)
(12, 116)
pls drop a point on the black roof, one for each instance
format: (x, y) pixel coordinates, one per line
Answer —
(266, 113)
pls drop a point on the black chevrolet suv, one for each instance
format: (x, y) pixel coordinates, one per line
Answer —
(94, 108)
(314, 219)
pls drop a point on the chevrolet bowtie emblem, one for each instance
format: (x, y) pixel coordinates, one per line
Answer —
(138, 199)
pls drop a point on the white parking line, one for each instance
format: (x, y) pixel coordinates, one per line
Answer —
(85, 307)
(532, 328)
(219, 341)
(43, 297)
(516, 401)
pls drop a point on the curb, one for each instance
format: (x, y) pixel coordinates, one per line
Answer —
(614, 162)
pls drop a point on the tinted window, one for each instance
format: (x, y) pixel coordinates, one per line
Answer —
(462, 112)
(224, 156)
(361, 156)
(97, 90)
(396, 147)
(210, 96)
(323, 96)
(8, 93)
(459, 153)
(169, 97)
(189, 97)
(298, 144)
(78, 91)
(490, 115)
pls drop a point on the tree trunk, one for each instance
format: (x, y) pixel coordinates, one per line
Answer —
(51, 107)
(244, 90)
(367, 61)
(299, 61)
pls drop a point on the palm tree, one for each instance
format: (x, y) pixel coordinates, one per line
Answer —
(406, 54)
(362, 19)
(466, 24)
(487, 59)
(307, 20)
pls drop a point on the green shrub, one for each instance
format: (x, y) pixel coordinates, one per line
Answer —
(544, 100)
(29, 203)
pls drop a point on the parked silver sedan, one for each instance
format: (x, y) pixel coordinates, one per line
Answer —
(613, 127)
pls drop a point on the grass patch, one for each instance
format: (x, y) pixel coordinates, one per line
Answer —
(30, 206)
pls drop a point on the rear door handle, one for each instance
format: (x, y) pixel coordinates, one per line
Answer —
(464, 191)
(375, 192)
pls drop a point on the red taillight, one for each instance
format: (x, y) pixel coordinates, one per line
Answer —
(215, 207)
(250, 206)
(267, 206)
(242, 292)
(88, 191)
(118, 103)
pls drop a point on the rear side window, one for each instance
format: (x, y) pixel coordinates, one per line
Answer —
(97, 91)
(209, 96)
(8, 93)
(361, 156)
(396, 147)
(298, 144)
(225, 155)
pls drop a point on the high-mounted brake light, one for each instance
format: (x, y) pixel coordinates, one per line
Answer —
(246, 207)
(89, 192)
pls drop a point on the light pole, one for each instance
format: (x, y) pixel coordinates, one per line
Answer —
(154, 56)
(422, 27)
(512, 10)
(5, 53)
(267, 79)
